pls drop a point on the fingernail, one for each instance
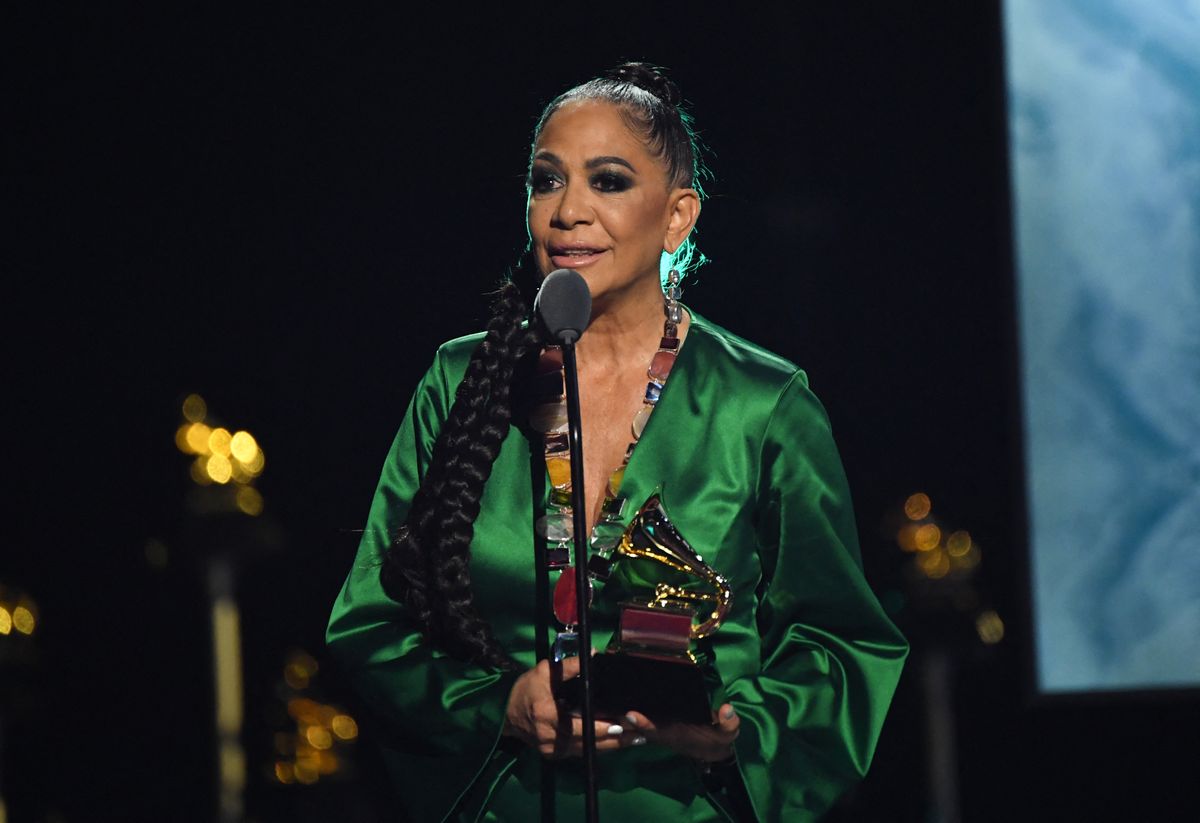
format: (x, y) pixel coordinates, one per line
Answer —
(638, 741)
(631, 720)
(728, 713)
(614, 729)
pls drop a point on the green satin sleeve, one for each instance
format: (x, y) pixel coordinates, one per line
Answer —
(829, 657)
(443, 718)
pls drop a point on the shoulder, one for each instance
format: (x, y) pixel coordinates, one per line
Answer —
(454, 355)
(772, 393)
(728, 357)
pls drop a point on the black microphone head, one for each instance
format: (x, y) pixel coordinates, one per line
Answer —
(564, 304)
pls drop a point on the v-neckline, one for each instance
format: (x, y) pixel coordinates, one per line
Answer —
(628, 510)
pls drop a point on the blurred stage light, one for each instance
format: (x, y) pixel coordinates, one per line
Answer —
(906, 537)
(990, 627)
(197, 438)
(318, 737)
(306, 770)
(969, 560)
(199, 471)
(219, 441)
(958, 543)
(295, 676)
(928, 537)
(194, 408)
(934, 564)
(23, 620)
(249, 500)
(344, 727)
(303, 711)
(243, 447)
(256, 464)
(917, 506)
(6, 621)
(218, 468)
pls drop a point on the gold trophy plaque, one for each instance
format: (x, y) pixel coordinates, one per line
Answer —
(676, 598)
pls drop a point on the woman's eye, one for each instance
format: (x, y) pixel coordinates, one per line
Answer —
(611, 181)
(541, 181)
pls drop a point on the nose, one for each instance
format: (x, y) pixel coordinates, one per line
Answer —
(572, 208)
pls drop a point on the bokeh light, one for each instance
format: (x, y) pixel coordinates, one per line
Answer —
(243, 447)
(295, 676)
(194, 408)
(249, 500)
(990, 627)
(966, 561)
(199, 471)
(928, 537)
(917, 506)
(197, 438)
(318, 737)
(6, 622)
(934, 564)
(344, 727)
(256, 465)
(23, 620)
(308, 752)
(327, 762)
(218, 468)
(958, 543)
(303, 710)
(306, 770)
(219, 441)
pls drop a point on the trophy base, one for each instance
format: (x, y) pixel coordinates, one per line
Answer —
(665, 688)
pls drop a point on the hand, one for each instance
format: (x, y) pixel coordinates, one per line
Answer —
(709, 744)
(535, 718)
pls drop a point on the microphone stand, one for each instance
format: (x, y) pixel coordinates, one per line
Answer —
(582, 585)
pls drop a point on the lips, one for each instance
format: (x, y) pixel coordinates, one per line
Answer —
(574, 257)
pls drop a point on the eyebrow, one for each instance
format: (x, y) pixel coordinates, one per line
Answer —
(595, 162)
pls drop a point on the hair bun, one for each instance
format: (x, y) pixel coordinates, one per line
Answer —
(648, 78)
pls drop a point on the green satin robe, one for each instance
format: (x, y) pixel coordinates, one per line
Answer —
(743, 453)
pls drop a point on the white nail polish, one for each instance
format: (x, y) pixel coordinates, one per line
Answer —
(638, 741)
(631, 720)
(614, 729)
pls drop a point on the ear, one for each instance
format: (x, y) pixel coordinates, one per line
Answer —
(684, 211)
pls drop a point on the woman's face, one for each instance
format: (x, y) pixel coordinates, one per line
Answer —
(600, 202)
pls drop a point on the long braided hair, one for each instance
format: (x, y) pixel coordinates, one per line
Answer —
(427, 566)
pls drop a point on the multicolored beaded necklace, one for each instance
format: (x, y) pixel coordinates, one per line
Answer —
(550, 418)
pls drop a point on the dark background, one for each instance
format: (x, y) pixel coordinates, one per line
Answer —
(287, 211)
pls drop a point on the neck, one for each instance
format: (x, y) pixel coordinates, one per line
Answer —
(624, 328)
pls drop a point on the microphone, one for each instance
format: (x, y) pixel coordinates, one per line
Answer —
(564, 304)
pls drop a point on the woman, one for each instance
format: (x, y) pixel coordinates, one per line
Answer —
(439, 620)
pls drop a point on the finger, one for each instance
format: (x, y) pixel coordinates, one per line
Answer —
(604, 728)
(569, 668)
(728, 720)
(636, 720)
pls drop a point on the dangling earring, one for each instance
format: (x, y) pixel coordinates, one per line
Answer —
(671, 307)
